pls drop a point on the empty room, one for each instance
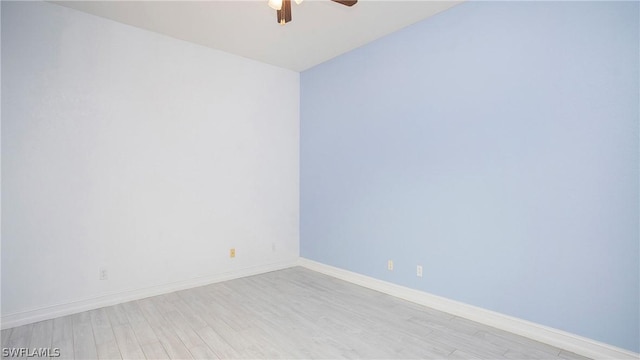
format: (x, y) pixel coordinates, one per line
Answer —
(320, 179)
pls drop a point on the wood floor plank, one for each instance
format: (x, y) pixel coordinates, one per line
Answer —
(162, 304)
(127, 342)
(42, 334)
(172, 345)
(4, 337)
(117, 315)
(144, 333)
(62, 337)
(193, 318)
(142, 329)
(220, 347)
(293, 313)
(108, 350)
(467, 343)
(513, 343)
(133, 312)
(106, 345)
(151, 314)
(20, 338)
(189, 337)
(567, 355)
(461, 355)
(154, 351)
(84, 346)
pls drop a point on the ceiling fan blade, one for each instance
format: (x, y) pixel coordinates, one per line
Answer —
(346, 2)
(284, 14)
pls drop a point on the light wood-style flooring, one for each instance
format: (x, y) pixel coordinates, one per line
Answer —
(293, 313)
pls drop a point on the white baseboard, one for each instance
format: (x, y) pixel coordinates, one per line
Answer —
(558, 338)
(50, 312)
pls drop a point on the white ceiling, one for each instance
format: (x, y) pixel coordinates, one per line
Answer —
(319, 31)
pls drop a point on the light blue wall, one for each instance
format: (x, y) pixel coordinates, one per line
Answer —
(497, 145)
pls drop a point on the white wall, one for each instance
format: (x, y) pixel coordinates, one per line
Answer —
(147, 155)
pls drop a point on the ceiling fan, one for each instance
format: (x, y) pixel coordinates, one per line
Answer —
(283, 8)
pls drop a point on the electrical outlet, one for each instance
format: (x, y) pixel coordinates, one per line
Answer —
(419, 270)
(232, 253)
(390, 265)
(273, 247)
(104, 274)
